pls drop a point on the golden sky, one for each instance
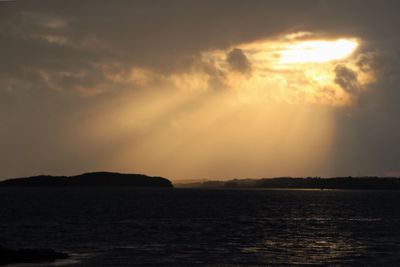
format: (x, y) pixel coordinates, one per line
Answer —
(199, 90)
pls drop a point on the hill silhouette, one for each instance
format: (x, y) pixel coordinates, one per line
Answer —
(94, 179)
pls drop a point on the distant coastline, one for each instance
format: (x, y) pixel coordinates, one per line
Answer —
(94, 179)
(112, 179)
(362, 183)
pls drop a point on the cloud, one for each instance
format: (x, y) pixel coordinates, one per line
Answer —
(238, 61)
(77, 38)
(346, 78)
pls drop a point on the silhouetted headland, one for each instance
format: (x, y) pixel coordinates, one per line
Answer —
(367, 183)
(94, 179)
(10, 256)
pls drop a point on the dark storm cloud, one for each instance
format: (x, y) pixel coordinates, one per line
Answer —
(49, 50)
(346, 78)
(158, 34)
(75, 36)
(238, 61)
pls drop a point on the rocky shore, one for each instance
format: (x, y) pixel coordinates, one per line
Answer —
(9, 256)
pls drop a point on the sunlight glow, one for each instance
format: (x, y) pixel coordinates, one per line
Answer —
(252, 114)
(318, 51)
(296, 68)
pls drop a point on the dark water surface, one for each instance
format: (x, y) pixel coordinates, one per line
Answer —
(124, 227)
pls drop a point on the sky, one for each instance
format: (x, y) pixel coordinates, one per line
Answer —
(200, 89)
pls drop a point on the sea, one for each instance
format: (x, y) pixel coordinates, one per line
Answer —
(204, 227)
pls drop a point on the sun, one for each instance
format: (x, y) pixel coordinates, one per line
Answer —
(317, 51)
